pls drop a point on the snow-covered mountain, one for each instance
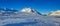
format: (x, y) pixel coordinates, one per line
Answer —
(55, 13)
(6, 11)
(30, 10)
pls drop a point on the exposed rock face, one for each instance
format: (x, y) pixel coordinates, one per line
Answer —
(55, 13)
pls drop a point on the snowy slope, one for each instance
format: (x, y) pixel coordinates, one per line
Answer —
(31, 19)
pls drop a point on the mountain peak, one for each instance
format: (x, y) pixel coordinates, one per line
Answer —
(26, 10)
(29, 10)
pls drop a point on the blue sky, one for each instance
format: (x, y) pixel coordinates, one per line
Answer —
(42, 6)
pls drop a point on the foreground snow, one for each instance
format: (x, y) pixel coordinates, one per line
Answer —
(31, 19)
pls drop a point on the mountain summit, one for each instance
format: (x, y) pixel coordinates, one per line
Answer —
(30, 10)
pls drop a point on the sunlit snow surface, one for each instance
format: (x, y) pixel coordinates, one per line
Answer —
(29, 19)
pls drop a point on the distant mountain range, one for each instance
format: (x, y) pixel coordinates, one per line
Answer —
(7, 12)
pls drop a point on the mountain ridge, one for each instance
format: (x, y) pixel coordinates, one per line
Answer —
(6, 11)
